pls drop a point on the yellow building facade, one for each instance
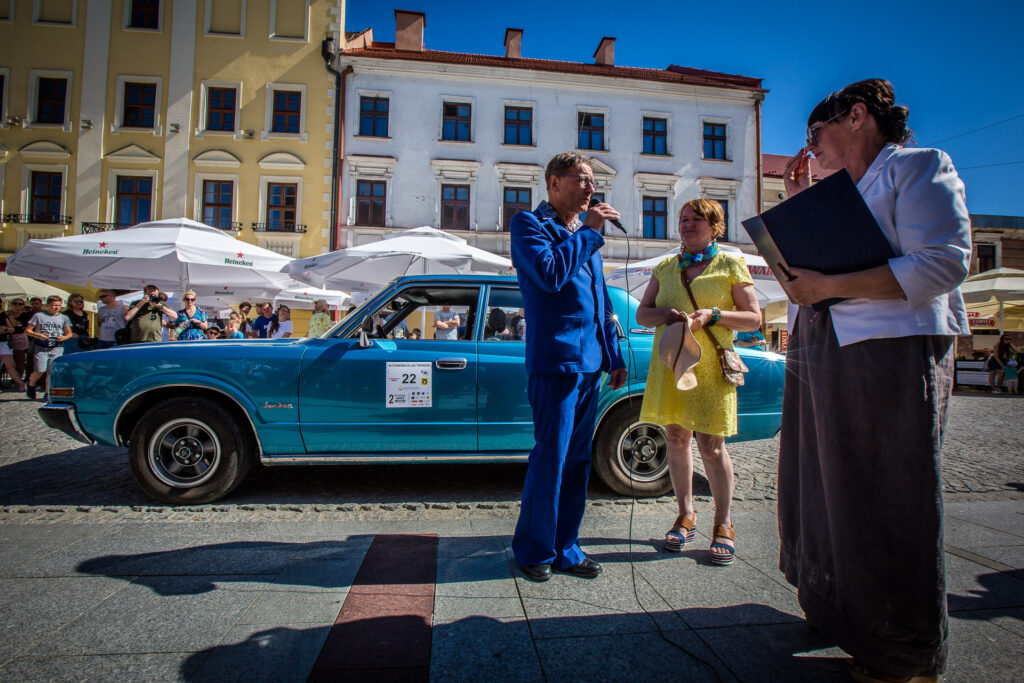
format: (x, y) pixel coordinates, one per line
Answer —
(115, 112)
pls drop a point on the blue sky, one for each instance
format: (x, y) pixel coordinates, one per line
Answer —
(956, 65)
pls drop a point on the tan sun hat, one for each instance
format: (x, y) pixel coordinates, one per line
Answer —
(680, 351)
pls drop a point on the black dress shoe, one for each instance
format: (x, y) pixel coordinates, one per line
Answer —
(587, 569)
(536, 572)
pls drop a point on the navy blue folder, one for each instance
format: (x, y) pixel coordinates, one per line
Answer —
(827, 228)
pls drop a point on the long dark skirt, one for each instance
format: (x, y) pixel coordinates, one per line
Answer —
(860, 492)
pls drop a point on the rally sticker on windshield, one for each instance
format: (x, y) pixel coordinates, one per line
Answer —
(408, 385)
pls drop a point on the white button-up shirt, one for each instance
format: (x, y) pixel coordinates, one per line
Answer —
(918, 200)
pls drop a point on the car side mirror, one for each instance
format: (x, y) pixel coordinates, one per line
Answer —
(364, 340)
(621, 333)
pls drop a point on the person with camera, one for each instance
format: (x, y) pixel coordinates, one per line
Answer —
(145, 316)
(50, 329)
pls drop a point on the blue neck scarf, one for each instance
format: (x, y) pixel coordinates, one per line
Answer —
(689, 259)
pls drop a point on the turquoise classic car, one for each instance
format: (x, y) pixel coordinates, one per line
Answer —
(430, 369)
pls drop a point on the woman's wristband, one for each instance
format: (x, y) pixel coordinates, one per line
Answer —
(716, 315)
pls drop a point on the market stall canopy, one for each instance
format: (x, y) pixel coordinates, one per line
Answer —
(1002, 284)
(420, 251)
(176, 253)
(634, 278)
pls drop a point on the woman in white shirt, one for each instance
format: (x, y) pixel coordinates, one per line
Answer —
(281, 326)
(868, 381)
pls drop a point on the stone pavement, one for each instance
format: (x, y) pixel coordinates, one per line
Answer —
(202, 596)
(99, 583)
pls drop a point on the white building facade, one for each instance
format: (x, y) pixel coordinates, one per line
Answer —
(460, 142)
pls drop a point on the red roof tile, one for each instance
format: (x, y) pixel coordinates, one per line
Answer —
(773, 166)
(674, 74)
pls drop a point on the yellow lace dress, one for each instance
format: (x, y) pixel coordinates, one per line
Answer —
(710, 407)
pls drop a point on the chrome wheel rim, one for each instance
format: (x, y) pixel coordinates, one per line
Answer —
(184, 453)
(642, 452)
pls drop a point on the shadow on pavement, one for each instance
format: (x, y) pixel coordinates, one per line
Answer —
(101, 475)
(482, 648)
(994, 600)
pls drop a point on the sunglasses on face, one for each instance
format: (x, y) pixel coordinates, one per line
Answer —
(812, 131)
(583, 180)
(188, 298)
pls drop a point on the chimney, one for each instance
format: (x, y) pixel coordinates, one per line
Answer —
(409, 30)
(605, 53)
(513, 43)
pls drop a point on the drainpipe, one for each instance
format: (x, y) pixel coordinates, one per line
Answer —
(329, 50)
(760, 160)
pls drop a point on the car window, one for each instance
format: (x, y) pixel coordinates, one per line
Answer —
(419, 312)
(505, 319)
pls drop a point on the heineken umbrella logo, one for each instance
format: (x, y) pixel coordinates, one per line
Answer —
(103, 251)
(240, 261)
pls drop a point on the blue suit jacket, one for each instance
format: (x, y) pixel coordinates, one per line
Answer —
(569, 315)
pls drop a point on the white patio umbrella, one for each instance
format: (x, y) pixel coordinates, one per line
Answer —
(369, 267)
(300, 295)
(993, 291)
(638, 274)
(174, 254)
(26, 287)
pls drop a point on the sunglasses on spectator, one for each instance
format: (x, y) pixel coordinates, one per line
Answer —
(188, 298)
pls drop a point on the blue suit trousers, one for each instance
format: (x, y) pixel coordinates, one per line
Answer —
(555, 493)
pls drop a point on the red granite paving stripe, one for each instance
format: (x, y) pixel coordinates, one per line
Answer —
(383, 630)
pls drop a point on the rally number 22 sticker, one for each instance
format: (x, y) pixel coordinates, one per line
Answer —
(408, 385)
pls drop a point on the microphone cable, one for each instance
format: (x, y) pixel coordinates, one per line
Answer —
(630, 367)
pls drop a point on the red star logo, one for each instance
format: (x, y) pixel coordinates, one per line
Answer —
(240, 254)
(103, 244)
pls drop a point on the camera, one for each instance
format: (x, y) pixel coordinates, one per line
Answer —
(154, 298)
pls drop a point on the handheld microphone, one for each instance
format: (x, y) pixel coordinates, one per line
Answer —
(613, 221)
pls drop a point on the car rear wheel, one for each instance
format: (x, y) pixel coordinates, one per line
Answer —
(631, 457)
(189, 451)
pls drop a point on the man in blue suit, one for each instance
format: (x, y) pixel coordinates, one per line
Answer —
(570, 339)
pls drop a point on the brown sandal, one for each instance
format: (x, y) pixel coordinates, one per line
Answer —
(726, 558)
(675, 540)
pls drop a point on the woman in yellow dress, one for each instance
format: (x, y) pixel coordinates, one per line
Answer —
(726, 302)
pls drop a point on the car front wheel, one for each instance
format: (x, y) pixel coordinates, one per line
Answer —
(631, 457)
(189, 451)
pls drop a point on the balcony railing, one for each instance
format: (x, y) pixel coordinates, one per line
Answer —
(279, 226)
(88, 227)
(38, 218)
(224, 224)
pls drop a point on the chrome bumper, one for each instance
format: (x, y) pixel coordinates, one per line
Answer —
(62, 416)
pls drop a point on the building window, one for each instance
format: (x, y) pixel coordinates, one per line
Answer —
(518, 126)
(714, 140)
(45, 200)
(655, 136)
(281, 204)
(516, 199)
(655, 217)
(287, 107)
(220, 109)
(52, 99)
(455, 121)
(3, 97)
(986, 257)
(373, 117)
(139, 105)
(455, 207)
(144, 14)
(218, 198)
(371, 202)
(591, 130)
(725, 215)
(134, 200)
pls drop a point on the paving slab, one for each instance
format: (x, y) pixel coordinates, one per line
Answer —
(777, 652)
(283, 653)
(980, 646)
(126, 668)
(482, 648)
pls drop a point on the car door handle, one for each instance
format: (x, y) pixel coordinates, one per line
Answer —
(450, 363)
